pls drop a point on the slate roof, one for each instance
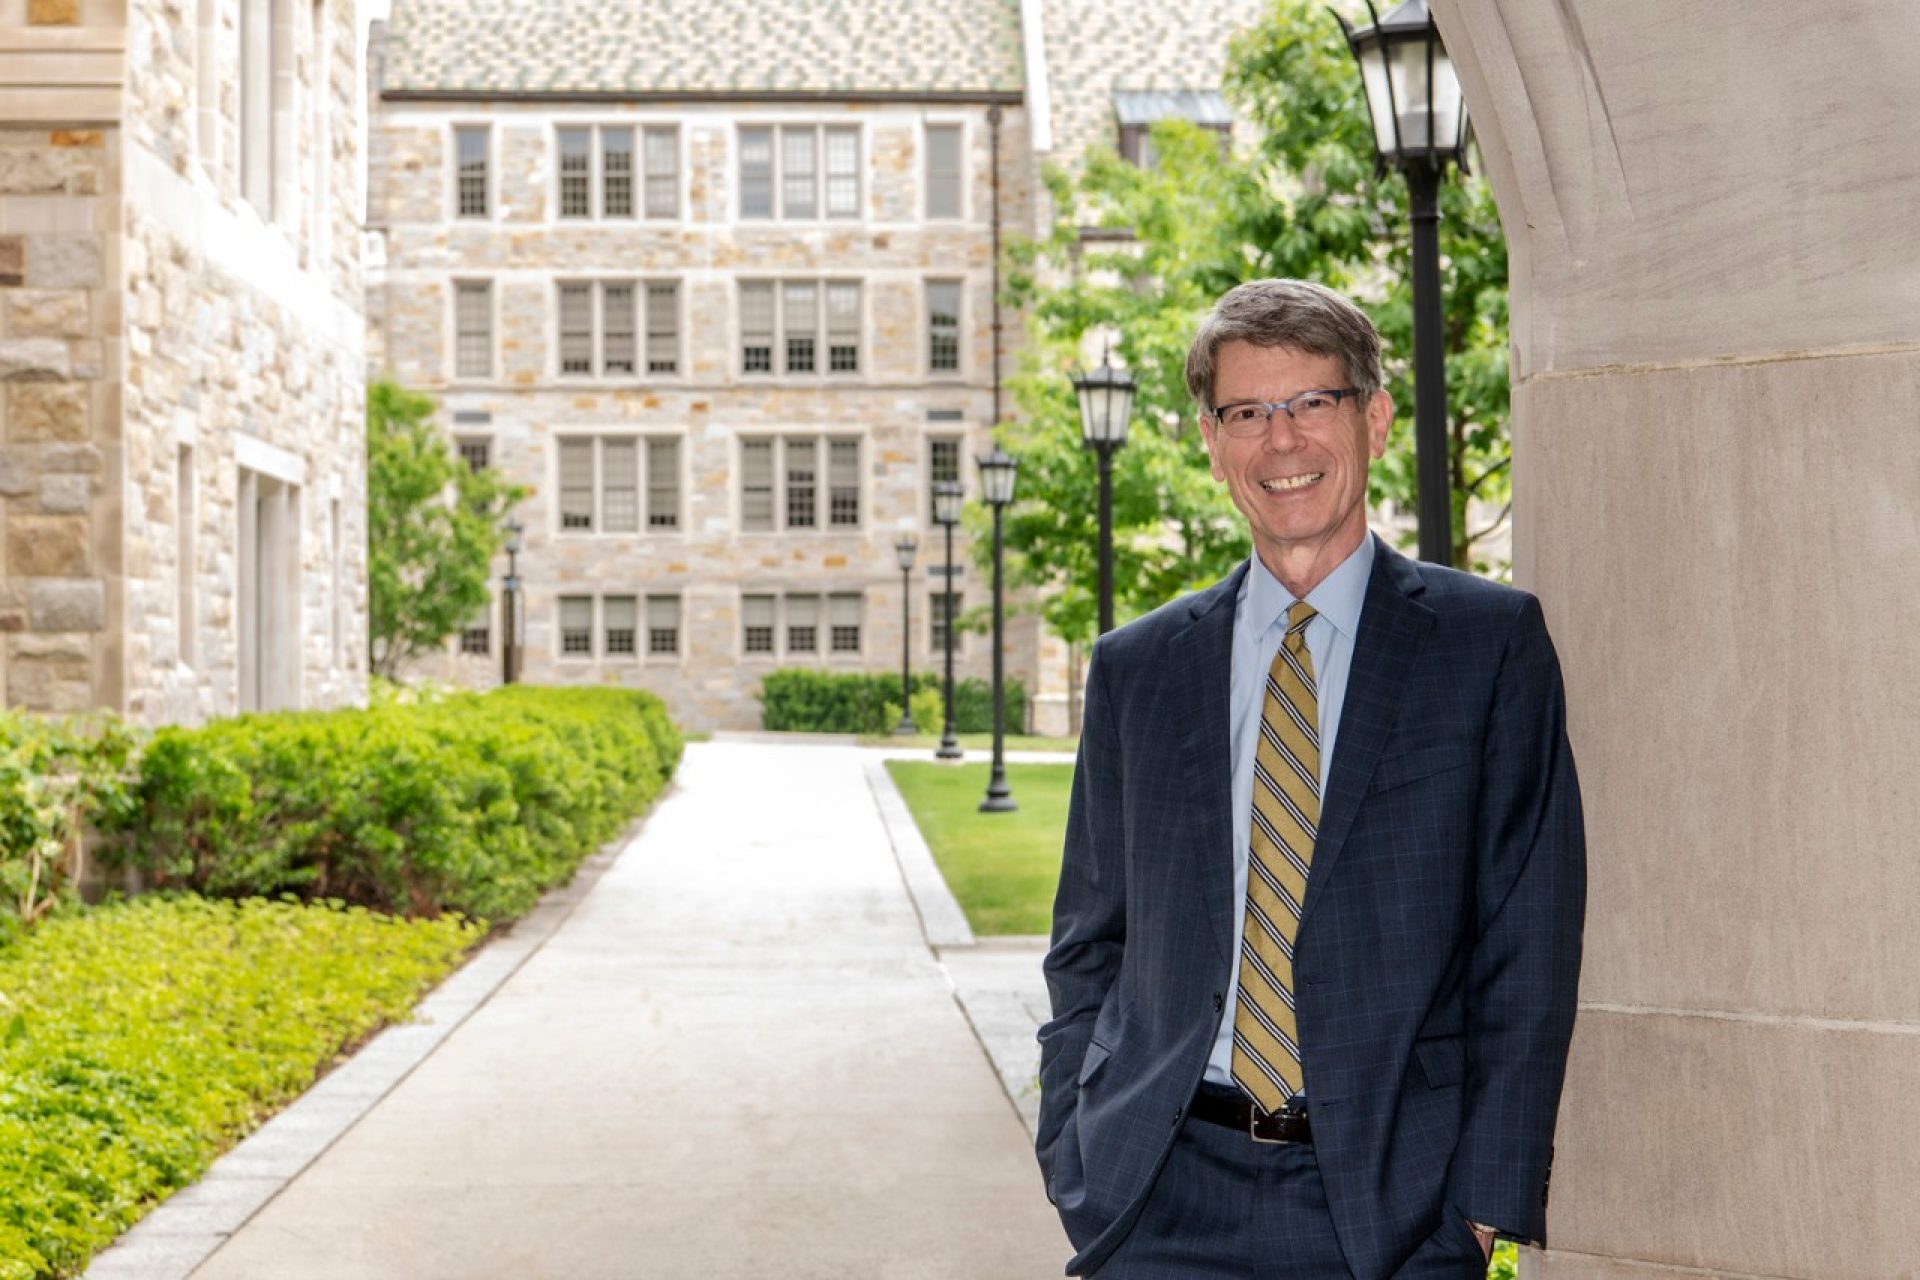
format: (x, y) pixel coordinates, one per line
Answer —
(704, 46)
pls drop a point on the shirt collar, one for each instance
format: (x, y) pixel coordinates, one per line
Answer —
(1338, 598)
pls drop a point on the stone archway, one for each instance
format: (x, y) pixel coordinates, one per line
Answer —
(1714, 222)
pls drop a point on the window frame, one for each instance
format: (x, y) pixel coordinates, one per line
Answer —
(488, 200)
(959, 287)
(825, 349)
(959, 129)
(821, 179)
(492, 336)
(822, 488)
(640, 208)
(644, 486)
(640, 334)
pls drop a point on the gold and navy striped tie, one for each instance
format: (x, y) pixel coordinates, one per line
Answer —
(1286, 811)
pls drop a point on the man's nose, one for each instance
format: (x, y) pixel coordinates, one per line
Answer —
(1283, 433)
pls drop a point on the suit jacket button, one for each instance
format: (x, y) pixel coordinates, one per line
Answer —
(1219, 1001)
(1177, 1113)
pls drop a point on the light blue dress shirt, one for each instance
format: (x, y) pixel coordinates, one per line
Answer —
(1259, 625)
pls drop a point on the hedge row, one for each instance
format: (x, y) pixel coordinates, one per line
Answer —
(55, 776)
(803, 700)
(139, 1040)
(473, 803)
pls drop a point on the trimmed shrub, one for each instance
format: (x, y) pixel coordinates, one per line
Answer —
(802, 700)
(139, 1040)
(54, 776)
(473, 802)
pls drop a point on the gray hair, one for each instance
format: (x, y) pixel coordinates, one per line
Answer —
(1286, 313)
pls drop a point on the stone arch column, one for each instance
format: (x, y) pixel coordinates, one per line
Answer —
(1714, 222)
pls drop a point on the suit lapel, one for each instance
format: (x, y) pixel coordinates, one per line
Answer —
(1201, 659)
(1393, 628)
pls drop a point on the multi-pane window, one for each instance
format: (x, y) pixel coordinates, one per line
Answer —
(757, 625)
(795, 502)
(470, 174)
(473, 329)
(576, 626)
(663, 624)
(476, 452)
(617, 624)
(477, 636)
(791, 625)
(937, 622)
(800, 172)
(598, 327)
(806, 309)
(599, 165)
(943, 463)
(845, 613)
(603, 479)
(943, 326)
(943, 171)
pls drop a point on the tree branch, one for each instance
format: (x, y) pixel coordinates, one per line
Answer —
(1497, 522)
(1490, 473)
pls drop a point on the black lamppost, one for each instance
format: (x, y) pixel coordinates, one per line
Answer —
(1106, 407)
(947, 495)
(1419, 125)
(904, 549)
(510, 607)
(997, 472)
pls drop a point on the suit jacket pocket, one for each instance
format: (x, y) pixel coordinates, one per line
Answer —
(1097, 1055)
(1442, 1059)
(1421, 762)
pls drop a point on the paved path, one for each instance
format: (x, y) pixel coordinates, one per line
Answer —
(735, 1057)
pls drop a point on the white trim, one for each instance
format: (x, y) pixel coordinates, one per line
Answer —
(256, 454)
(1033, 41)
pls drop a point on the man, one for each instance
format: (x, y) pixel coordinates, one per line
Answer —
(1318, 929)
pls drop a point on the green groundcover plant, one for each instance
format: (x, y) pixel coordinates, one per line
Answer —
(54, 776)
(474, 803)
(140, 1039)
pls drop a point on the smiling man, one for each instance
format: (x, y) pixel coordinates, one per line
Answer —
(1317, 936)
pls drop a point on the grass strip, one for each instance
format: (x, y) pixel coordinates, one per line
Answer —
(1002, 867)
(139, 1040)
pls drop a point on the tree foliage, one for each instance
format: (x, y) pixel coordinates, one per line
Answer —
(433, 528)
(1139, 255)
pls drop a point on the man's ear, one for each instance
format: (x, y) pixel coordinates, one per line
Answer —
(1379, 422)
(1206, 434)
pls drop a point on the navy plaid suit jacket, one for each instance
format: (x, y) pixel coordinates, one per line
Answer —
(1439, 945)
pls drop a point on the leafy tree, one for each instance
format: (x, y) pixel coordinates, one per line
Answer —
(433, 527)
(1303, 201)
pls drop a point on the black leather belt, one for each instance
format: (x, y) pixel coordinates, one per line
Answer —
(1233, 1109)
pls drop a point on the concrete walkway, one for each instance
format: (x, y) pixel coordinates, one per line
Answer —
(736, 1056)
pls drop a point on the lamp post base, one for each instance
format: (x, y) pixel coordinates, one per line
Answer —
(949, 748)
(906, 728)
(999, 798)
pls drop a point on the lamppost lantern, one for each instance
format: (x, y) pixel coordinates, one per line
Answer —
(1106, 405)
(947, 499)
(997, 471)
(514, 530)
(1412, 90)
(1106, 408)
(1419, 126)
(903, 550)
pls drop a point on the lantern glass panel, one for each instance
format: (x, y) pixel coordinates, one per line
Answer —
(947, 500)
(997, 471)
(903, 550)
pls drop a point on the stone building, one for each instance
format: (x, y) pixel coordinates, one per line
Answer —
(716, 281)
(182, 478)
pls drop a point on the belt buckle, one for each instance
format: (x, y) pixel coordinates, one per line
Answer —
(1276, 1120)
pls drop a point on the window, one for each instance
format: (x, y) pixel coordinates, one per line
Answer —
(813, 171)
(663, 482)
(1137, 111)
(576, 626)
(475, 451)
(663, 172)
(943, 463)
(477, 636)
(663, 624)
(803, 624)
(806, 309)
(473, 329)
(616, 173)
(943, 326)
(186, 514)
(756, 620)
(795, 503)
(576, 172)
(617, 621)
(937, 622)
(845, 613)
(943, 171)
(598, 327)
(470, 151)
(602, 482)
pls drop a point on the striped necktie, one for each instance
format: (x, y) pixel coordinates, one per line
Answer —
(1286, 810)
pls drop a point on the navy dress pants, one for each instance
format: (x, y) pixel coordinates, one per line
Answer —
(1228, 1208)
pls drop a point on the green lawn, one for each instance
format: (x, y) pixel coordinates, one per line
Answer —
(976, 744)
(1003, 867)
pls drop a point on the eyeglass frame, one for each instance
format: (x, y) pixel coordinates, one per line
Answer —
(1274, 406)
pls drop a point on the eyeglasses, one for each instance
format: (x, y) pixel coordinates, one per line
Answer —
(1310, 409)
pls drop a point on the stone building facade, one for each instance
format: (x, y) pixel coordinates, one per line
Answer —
(182, 351)
(717, 283)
